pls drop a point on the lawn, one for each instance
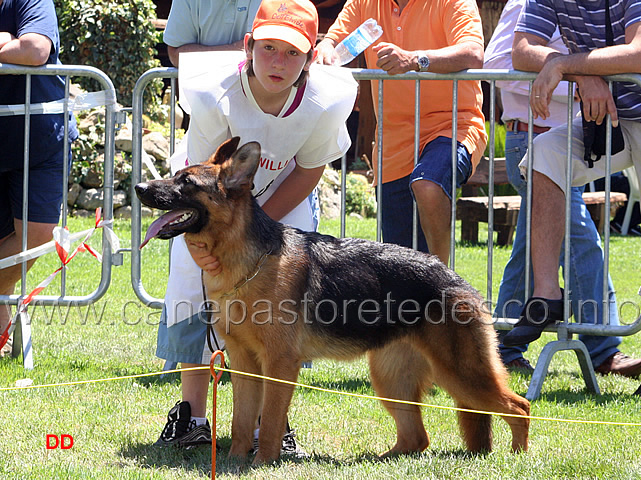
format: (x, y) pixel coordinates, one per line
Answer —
(114, 423)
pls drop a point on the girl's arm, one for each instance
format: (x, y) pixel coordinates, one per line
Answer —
(294, 189)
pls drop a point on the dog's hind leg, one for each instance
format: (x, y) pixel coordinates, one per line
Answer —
(276, 399)
(248, 394)
(400, 372)
(480, 384)
(520, 426)
(476, 428)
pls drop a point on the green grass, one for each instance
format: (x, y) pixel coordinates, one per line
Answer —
(499, 140)
(115, 423)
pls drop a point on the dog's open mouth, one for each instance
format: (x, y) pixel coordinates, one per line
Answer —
(171, 224)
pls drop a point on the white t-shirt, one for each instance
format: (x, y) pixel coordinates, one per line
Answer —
(515, 94)
(310, 131)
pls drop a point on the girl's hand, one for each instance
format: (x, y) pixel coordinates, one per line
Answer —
(203, 258)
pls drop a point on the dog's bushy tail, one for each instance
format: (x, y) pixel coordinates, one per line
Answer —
(476, 429)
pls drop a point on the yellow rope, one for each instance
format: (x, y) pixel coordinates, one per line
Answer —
(100, 380)
(406, 402)
(320, 389)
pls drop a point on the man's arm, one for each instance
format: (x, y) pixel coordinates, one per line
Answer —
(394, 60)
(454, 58)
(31, 49)
(610, 60)
(5, 37)
(530, 54)
(325, 52)
(174, 52)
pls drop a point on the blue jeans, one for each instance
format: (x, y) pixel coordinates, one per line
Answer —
(586, 266)
(434, 164)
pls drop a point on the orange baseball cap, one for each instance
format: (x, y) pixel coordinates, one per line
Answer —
(292, 21)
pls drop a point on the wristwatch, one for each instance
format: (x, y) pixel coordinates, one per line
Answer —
(423, 62)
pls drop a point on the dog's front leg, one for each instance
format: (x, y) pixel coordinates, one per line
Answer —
(248, 393)
(276, 400)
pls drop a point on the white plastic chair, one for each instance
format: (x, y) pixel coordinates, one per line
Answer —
(634, 197)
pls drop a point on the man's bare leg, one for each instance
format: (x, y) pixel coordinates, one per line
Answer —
(434, 208)
(38, 233)
(548, 221)
(548, 231)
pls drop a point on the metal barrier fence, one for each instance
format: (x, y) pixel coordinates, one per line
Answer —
(136, 174)
(106, 97)
(564, 330)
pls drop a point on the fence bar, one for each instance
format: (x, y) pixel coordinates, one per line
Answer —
(110, 99)
(417, 153)
(490, 185)
(65, 175)
(379, 163)
(136, 177)
(606, 226)
(343, 193)
(25, 179)
(452, 260)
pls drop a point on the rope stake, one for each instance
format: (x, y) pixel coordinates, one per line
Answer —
(220, 356)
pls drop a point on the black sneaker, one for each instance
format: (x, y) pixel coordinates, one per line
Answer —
(181, 431)
(288, 447)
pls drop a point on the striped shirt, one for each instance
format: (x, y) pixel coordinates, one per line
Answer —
(582, 26)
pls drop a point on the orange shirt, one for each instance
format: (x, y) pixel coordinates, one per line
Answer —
(422, 25)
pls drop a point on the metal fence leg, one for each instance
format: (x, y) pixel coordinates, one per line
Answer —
(22, 341)
(542, 364)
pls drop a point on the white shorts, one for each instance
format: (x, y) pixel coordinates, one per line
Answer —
(550, 154)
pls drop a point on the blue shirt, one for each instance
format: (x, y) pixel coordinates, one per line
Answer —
(47, 131)
(209, 22)
(582, 26)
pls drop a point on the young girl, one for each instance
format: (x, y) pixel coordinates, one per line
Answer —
(297, 112)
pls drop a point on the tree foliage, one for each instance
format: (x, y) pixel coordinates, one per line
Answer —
(115, 36)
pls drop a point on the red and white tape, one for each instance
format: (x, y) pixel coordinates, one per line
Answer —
(61, 243)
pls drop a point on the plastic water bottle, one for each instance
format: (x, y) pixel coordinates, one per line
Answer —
(358, 40)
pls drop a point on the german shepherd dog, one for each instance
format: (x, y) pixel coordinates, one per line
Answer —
(286, 296)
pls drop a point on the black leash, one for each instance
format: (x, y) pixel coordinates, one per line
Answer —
(211, 334)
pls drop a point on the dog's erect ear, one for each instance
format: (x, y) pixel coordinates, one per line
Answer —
(239, 173)
(225, 151)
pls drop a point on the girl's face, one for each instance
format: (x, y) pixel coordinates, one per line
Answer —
(277, 64)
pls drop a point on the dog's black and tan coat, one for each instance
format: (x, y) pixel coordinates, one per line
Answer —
(315, 296)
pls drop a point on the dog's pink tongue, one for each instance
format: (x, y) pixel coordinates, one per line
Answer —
(159, 223)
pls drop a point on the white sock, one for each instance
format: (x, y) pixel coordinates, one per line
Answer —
(199, 420)
(256, 434)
